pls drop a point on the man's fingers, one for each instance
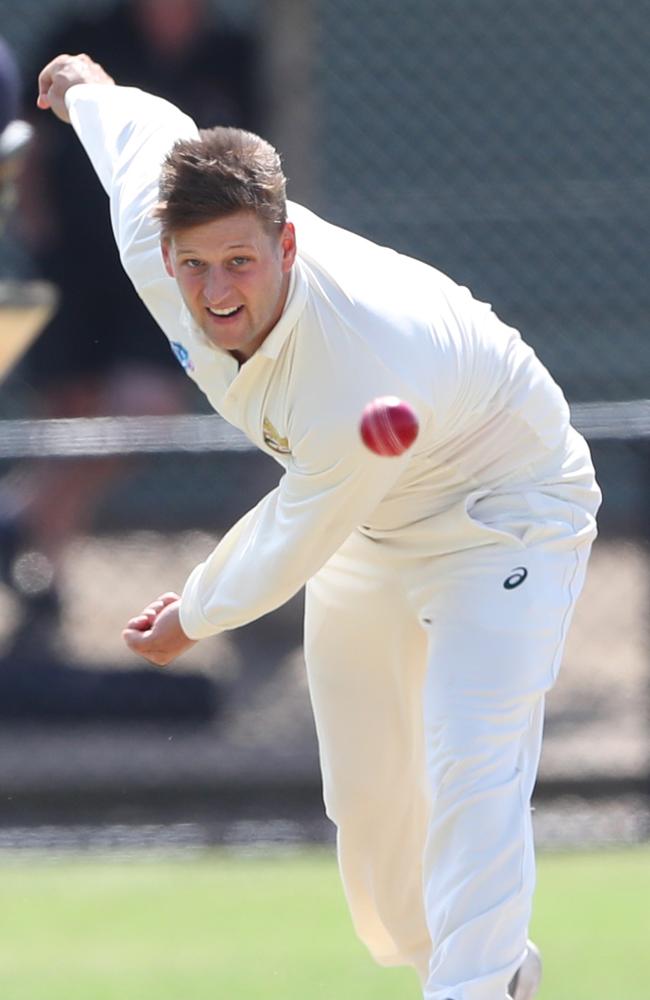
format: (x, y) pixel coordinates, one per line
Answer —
(43, 101)
(46, 78)
(141, 644)
(141, 623)
(134, 639)
(144, 621)
(132, 634)
(156, 633)
(137, 639)
(168, 598)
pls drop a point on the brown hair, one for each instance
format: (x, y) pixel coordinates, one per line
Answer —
(225, 170)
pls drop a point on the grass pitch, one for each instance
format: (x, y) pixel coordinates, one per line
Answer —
(276, 927)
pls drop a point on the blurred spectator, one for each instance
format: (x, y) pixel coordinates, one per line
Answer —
(102, 354)
(14, 134)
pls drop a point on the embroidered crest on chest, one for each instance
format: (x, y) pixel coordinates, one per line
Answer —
(273, 439)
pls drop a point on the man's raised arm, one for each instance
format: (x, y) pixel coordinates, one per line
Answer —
(126, 133)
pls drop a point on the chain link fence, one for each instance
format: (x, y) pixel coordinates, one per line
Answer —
(507, 144)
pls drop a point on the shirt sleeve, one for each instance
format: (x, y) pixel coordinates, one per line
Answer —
(127, 133)
(333, 484)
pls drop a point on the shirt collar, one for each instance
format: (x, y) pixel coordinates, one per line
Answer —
(293, 307)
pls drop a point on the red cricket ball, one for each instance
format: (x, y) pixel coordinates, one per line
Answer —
(388, 426)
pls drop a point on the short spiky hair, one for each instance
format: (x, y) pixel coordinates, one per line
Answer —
(225, 170)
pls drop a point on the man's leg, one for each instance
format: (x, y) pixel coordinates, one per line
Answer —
(497, 620)
(366, 657)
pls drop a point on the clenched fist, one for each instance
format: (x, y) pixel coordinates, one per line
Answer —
(156, 633)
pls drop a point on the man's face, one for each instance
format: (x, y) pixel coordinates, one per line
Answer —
(233, 274)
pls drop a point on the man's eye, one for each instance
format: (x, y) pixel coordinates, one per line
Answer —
(192, 263)
(240, 261)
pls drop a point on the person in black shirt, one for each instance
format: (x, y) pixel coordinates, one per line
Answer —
(108, 359)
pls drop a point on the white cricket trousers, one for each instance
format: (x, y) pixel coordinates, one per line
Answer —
(427, 676)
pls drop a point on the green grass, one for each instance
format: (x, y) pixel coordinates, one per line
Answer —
(592, 922)
(276, 928)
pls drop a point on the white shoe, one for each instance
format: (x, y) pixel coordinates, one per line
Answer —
(527, 978)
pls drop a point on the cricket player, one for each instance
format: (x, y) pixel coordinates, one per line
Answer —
(440, 583)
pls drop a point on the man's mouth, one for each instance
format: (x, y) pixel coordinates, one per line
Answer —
(225, 313)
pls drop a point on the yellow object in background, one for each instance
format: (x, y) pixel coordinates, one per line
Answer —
(25, 307)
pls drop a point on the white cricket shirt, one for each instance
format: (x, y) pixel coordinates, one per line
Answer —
(360, 321)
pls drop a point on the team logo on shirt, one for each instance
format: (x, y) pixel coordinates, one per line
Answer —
(182, 355)
(273, 440)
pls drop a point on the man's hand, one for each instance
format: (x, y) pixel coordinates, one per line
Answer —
(64, 72)
(156, 633)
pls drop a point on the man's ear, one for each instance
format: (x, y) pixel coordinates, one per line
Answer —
(288, 246)
(165, 246)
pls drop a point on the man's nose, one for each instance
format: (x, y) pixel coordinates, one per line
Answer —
(217, 286)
